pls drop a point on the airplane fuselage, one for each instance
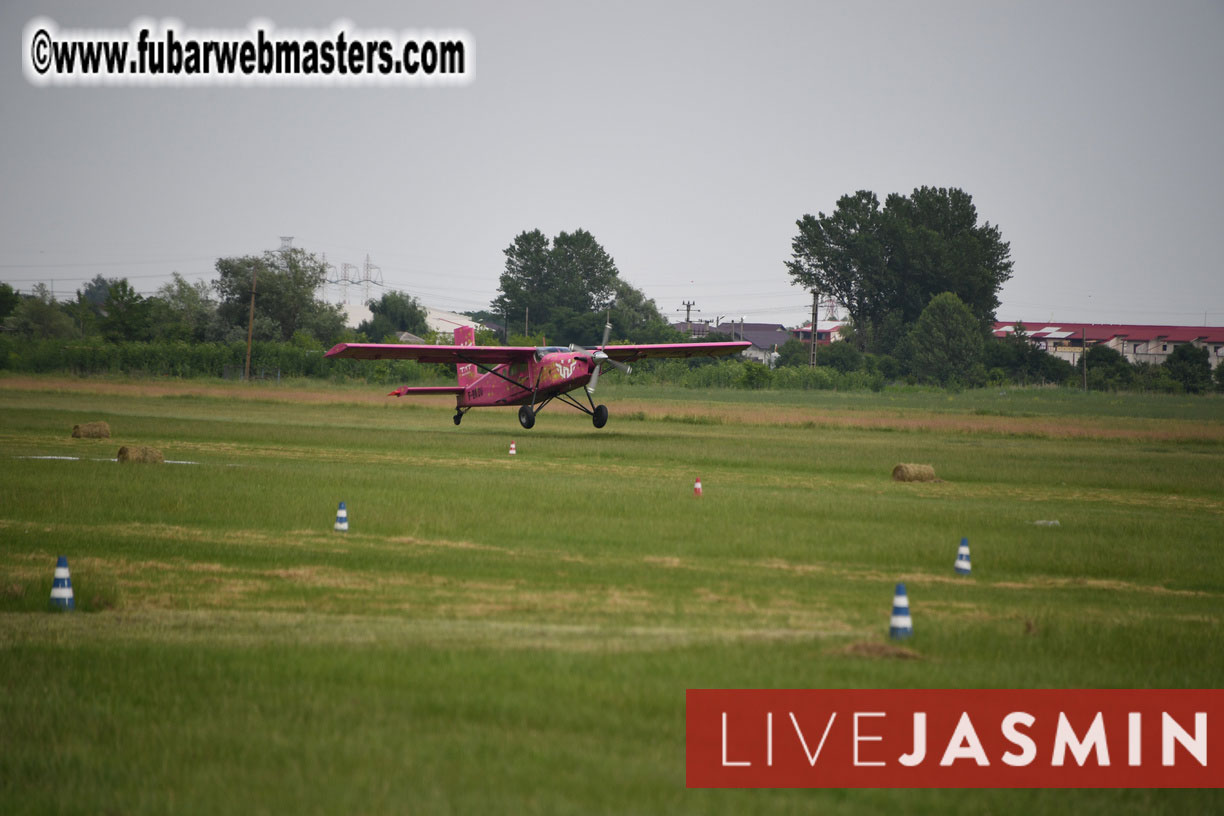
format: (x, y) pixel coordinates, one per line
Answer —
(549, 373)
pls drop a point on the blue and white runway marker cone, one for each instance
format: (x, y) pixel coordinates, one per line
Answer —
(61, 588)
(900, 625)
(342, 519)
(962, 558)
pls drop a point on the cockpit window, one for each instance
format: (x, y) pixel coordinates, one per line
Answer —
(541, 351)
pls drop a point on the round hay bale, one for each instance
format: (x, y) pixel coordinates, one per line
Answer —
(139, 453)
(91, 430)
(913, 473)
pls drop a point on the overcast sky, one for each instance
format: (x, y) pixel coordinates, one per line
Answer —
(687, 137)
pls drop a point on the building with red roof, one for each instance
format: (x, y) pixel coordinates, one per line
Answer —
(827, 331)
(1138, 344)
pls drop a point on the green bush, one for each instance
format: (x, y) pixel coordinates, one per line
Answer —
(177, 358)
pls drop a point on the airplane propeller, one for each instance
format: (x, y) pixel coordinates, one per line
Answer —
(599, 356)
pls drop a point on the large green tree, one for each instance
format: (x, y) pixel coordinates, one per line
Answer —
(945, 345)
(96, 292)
(285, 301)
(885, 264)
(793, 354)
(1190, 365)
(394, 312)
(1108, 370)
(845, 254)
(840, 355)
(563, 289)
(182, 310)
(8, 300)
(39, 317)
(126, 313)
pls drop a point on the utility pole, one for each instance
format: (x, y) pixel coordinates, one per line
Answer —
(251, 322)
(526, 314)
(688, 315)
(815, 334)
(1084, 354)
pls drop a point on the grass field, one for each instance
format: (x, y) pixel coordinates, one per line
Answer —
(503, 634)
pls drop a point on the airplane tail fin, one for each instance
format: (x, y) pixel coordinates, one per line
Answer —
(466, 336)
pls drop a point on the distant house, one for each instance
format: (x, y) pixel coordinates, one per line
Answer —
(696, 329)
(1137, 343)
(827, 331)
(764, 337)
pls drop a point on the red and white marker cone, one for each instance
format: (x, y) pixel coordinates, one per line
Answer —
(697, 487)
(513, 452)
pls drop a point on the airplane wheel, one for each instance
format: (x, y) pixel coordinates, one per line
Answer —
(600, 417)
(458, 418)
(526, 417)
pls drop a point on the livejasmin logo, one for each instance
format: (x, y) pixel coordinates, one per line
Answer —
(952, 738)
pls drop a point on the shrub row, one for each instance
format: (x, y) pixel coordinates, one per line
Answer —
(182, 359)
(750, 375)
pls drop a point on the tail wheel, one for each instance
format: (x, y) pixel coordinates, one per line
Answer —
(600, 416)
(526, 416)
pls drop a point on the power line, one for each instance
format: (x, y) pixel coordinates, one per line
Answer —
(87, 264)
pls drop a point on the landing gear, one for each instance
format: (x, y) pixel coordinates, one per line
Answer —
(600, 416)
(526, 417)
(458, 418)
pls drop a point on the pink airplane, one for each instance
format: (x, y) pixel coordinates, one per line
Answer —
(527, 376)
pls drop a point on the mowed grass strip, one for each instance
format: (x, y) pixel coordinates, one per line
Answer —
(515, 635)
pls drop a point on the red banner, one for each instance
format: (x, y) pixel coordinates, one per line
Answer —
(954, 738)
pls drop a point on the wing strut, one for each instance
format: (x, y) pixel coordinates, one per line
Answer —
(497, 374)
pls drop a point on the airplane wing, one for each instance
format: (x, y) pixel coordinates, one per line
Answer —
(481, 355)
(626, 354)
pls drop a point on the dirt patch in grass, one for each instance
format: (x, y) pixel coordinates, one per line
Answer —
(301, 627)
(878, 651)
(724, 601)
(450, 545)
(181, 388)
(667, 561)
(327, 578)
(779, 564)
(1051, 582)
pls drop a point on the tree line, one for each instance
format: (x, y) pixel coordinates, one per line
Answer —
(562, 290)
(919, 276)
(286, 308)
